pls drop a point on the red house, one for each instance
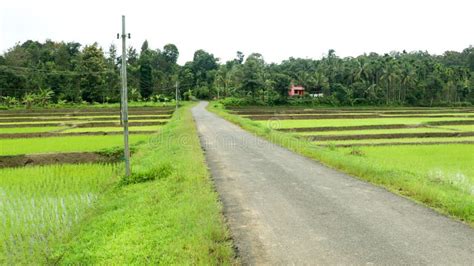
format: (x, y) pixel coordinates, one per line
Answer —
(296, 90)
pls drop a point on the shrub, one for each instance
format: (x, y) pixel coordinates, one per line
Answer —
(160, 172)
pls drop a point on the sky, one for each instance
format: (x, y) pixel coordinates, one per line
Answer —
(276, 29)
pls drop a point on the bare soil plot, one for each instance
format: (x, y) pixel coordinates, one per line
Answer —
(387, 126)
(393, 136)
(89, 118)
(55, 158)
(114, 113)
(309, 110)
(86, 110)
(402, 141)
(82, 125)
(67, 134)
(347, 116)
(347, 145)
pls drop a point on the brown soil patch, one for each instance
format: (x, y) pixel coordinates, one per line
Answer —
(448, 123)
(329, 111)
(393, 136)
(317, 129)
(55, 134)
(344, 116)
(85, 110)
(397, 143)
(392, 126)
(55, 158)
(115, 113)
(31, 119)
(84, 125)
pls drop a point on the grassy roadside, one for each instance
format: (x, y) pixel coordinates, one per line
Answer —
(173, 219)
(441, 194)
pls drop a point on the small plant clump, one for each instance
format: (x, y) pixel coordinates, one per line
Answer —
(159, 172)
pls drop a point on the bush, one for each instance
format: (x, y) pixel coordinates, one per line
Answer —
(9, 101)
(233, 101)
(162, 171)
(203, 93)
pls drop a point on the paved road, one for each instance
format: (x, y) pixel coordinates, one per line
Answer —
(283, 208)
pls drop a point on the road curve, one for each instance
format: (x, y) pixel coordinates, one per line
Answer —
(283, 208)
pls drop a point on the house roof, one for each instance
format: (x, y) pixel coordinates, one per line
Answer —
(297, 88)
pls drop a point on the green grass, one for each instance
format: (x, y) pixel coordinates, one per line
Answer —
(28, 129)
(64, 144)
(40, 205)
(175, 219)
(376, 131)
(405, 140)
(458, 128)
(276, 124)
(442, 194)
(452, 163)
(73, 122)
(112, 129)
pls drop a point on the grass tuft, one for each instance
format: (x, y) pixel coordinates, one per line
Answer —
(161, 171)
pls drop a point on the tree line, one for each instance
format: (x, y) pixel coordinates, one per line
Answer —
(37, 73)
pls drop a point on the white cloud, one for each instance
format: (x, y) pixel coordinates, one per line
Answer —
(277, 29)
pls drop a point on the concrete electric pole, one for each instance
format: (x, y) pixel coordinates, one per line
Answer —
(176, 92)
(124, 99)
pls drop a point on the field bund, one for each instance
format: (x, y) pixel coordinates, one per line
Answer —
(54, 133)
(426, 154)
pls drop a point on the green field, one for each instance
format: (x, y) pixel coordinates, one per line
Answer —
(446, 163)
(440, 176)
(40, 205)
(87, 143)
(85, 214)
(357, 142)
(173, 220)
(384, 131)
(112, 129)
(64, 144)
(28, 129)
(277, 124)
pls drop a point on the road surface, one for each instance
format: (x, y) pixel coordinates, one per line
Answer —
(283, 208)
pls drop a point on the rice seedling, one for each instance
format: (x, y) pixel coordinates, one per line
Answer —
(64, 144)
(39, 205)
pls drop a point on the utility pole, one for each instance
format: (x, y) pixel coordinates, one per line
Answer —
(176, 86)
(124, 100)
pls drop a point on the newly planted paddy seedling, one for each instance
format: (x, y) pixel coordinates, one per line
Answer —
(39, 206)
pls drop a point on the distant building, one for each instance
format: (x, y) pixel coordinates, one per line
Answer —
(296, 90)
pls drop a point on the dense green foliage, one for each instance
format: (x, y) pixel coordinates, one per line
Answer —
(36, 73)
(416, 78)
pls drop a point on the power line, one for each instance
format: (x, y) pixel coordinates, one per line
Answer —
(54, 72)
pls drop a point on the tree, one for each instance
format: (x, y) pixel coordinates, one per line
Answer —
(145, 71)
(252, 74)
(203, 65)
(170, 53)
(93, 69)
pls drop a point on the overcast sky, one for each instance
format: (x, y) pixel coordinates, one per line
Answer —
(276, 29)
